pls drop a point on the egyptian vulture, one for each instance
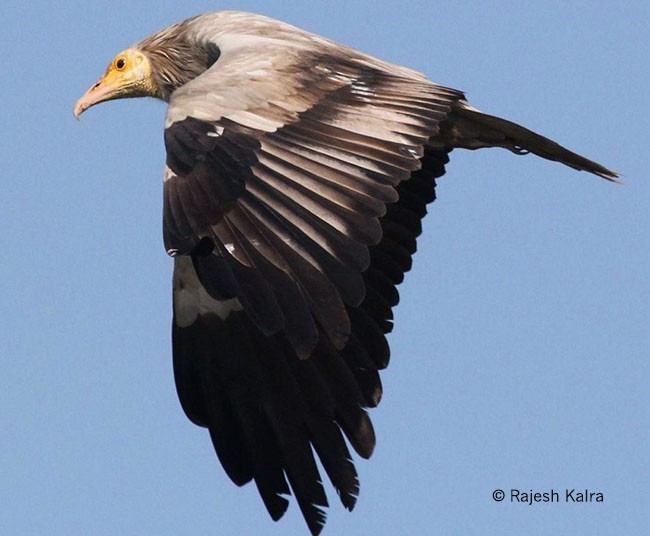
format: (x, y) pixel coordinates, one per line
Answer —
(298, 172)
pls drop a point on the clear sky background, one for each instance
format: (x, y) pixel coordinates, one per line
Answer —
(520, 357)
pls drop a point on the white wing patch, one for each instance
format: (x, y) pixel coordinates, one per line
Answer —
(192, 300)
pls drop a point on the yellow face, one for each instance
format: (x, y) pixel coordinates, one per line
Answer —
(128, 75)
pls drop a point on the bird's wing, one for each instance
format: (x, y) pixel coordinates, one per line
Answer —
(286, 171)
(292, 200)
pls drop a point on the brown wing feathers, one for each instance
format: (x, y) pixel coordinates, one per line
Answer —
(310, 227)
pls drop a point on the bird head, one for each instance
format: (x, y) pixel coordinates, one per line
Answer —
(128, 75)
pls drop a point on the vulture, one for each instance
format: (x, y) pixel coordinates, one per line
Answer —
(297, 174)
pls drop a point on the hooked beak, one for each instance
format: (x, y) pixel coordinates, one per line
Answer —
(110, 86)
(99, 92)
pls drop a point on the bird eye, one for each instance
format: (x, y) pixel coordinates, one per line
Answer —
(120, 63)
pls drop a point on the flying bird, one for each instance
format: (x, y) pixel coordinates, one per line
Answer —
(297, 174)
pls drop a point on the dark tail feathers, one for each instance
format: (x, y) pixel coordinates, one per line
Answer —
(468, 128)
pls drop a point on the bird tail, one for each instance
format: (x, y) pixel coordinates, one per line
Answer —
(468, 128)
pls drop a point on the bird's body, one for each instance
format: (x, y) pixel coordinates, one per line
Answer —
(298, 172)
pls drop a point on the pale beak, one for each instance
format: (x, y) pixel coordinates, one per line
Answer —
(99, 92)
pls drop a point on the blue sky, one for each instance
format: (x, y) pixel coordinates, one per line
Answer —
(520, 354)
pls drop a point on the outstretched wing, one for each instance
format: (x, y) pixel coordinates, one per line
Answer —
(293, 195)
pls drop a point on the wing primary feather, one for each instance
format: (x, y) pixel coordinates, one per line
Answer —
(298, 323)
(257, 298)
(287, 418)
(350, 415)
(269, 472)
(365, 371)
(325, 434)
(347, 280)
(201, 393)
(322, 296)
